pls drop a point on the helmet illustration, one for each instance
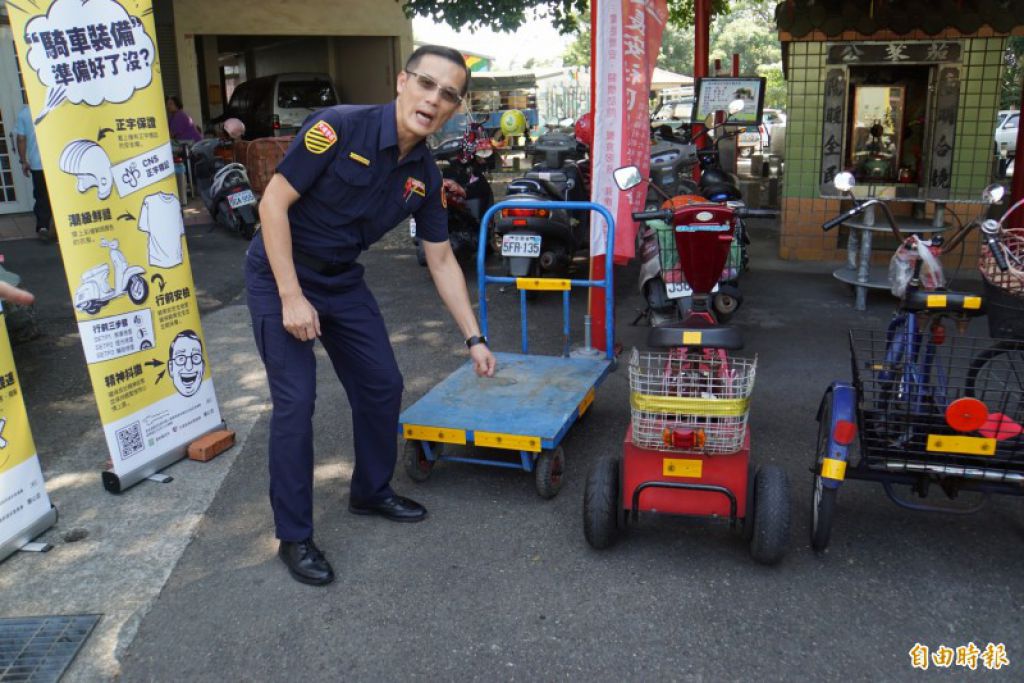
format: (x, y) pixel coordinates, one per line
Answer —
(584, 129)
(87, 160)
(513, 123)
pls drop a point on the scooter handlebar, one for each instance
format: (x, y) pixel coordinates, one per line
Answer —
(845, 216)
(757, 213)
(657, 214)
(995, 246)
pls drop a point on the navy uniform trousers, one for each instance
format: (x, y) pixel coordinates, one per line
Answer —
(355, 338)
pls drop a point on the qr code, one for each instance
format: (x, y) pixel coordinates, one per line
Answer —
(129, 440)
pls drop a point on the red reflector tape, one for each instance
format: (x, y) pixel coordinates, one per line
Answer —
(844, 432)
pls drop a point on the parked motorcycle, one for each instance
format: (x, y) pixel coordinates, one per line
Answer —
(224, 188)
(665, 289)
(468, 159)
(535, 241)
(95, 291)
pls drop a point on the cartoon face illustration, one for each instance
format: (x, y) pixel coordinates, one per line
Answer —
(87, 161)
(185, 363)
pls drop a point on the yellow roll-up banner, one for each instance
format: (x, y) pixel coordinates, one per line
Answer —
(23, 500)
(93, 83)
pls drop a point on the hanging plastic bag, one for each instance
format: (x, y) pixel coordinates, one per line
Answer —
(904, 261)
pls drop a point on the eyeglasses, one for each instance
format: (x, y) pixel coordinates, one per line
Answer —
(180, 361)
(449, 94)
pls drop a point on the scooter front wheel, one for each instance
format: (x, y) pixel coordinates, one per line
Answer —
(138, 289)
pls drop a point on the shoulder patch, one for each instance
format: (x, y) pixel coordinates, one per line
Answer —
(320, 137)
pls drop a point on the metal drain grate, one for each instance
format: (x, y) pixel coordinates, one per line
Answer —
(41, 648)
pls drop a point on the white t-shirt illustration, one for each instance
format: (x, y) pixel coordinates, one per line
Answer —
(161, 218)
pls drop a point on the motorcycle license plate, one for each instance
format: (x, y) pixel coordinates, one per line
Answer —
(749, 138)
(677, 290)
(520, 245)
(241, 199)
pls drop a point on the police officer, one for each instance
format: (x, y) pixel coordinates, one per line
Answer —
(351, 174)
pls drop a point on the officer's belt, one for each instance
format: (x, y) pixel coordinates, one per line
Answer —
(319, 265)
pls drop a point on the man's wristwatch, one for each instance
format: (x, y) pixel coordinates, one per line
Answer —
(476, 339)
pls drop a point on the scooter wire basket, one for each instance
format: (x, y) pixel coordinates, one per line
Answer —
(1011, 281)
(671, 272)
(694, 400)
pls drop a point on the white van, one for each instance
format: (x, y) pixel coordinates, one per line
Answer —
(278, 104)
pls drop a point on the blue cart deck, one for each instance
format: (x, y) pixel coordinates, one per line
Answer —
(530, 396)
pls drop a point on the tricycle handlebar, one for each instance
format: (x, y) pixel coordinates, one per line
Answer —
(859, 209)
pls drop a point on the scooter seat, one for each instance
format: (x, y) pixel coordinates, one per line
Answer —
(711, 337)
(721, 192)
(100, 272)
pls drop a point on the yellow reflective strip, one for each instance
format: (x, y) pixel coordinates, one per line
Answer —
(700, 407)
(361, 159)
(833, 469)
(936, 301)
(965, 445)
(691, 338)
(972, 303)
(513, 442)
(677, 467)
(543, 284)
(585, 403)
(441, 434)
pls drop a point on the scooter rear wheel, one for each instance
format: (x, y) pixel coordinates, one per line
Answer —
(138, 289)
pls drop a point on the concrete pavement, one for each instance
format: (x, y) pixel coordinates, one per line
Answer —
(498, 584)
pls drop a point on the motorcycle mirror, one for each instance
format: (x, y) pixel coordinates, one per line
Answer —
(709, 121)
(844, 181)
(627, 177)
(736, 106)
(993, 194)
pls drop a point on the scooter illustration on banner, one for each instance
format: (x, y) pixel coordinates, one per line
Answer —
(95, 291)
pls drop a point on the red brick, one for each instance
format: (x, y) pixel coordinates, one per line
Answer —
(208, 447)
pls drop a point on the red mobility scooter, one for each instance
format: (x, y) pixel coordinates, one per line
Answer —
(687, 449)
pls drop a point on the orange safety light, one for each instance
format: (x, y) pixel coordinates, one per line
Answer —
(966, 414)
(844, 432)
(524, 213)
(684, 438)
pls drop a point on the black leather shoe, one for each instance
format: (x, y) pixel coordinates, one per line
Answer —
(395, 508)
(305, 562)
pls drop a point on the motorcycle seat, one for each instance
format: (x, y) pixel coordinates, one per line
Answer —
(100, 272)
(721, 191)
(675, 335)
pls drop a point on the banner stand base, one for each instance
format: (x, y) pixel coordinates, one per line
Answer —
(115, 483)
(160, 478)
(35, 547)
(23, 540)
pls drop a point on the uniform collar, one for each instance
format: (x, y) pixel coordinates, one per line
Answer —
(389, 134)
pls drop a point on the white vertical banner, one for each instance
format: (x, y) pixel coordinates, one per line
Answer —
(627, 42)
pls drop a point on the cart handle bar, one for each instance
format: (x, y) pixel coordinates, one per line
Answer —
(483, 279)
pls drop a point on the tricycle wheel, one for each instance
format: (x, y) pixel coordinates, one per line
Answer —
(415, 461)
(549, 469)
(823, 504)
(601, 503)
(771, 515)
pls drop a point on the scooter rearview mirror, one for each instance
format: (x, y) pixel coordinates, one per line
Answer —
(627, 177)
(993, 194)
(844, 181)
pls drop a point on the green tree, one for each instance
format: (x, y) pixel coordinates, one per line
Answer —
(1009, 96)
(509, 15)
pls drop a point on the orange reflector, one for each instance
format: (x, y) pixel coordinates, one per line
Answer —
(938, 334)
(966, 414)
(524, 213)
(519, 222)
(684, 438)
(844, 433)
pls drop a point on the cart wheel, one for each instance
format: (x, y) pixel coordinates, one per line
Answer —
(549, 469)
(415, 461)
(771, 515)
(823, 504)
(601, 503)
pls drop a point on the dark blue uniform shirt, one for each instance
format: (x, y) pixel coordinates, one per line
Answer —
(344, 164)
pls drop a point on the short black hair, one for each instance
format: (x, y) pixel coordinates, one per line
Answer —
(185, 334)
(176, 100)
(451, 54)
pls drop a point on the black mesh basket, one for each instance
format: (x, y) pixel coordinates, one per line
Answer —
(909, 394)
(1005, 312)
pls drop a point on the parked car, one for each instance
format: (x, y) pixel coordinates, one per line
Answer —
(772, 118)
(278, 104)
(1006, 133)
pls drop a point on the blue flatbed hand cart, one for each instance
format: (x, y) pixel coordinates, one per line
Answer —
(532, 400)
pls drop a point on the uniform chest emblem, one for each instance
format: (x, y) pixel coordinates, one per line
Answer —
(320, 137)
(414, 186)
